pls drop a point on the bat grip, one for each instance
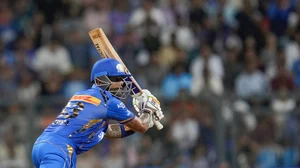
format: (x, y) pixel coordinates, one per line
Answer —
(158, 125)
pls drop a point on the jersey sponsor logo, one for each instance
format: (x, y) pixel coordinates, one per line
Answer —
(87, 99)
(121, 105)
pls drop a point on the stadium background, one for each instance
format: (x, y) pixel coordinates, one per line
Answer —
(226, 71)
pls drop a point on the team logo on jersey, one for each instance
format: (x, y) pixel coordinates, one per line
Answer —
(120, 68)
(87, 99)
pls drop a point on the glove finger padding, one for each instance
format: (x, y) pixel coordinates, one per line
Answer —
(151, 98)
(146, 100)
(138, 105)
(153, 103)
(158, 115)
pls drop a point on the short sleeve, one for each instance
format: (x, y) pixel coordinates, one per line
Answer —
(116, 110)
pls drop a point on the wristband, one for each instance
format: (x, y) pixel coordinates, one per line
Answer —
(124, 132)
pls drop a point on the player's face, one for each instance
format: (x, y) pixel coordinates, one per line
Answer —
(116, 85)
(117, 82)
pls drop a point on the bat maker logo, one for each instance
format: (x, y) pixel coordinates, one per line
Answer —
(99, 49)
(96, 36)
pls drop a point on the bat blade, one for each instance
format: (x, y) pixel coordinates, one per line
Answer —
(106, 50)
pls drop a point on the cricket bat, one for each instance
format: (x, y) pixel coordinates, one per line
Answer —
(106, 50)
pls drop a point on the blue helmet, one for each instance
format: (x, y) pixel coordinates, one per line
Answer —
(108, 67)
(108, 72)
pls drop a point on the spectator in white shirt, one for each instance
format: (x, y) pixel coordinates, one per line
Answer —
(207, 68)
(251, 82)
(148, 12)
(52, 57)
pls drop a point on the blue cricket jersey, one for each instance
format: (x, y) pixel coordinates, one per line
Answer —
(84, 120)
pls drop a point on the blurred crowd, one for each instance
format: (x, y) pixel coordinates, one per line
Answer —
(191, 54)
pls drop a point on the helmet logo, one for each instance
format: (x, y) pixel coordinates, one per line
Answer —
(120, 68)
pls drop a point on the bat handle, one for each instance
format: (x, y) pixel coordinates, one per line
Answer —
(158, 125)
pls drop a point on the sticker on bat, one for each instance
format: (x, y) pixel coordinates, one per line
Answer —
(96, 36)
(99, 49)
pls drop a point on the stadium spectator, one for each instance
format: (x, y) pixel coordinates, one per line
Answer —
(176, 81)
(207, 72)
(251, 82)
(52, 57)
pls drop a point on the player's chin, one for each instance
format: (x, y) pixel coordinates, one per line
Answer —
(120, 93)
(115, 88)
(116, 85)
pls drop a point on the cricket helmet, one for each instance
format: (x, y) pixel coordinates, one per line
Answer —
(106, 72)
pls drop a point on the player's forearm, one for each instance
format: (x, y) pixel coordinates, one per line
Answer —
(119, 130)
(113, 131)
(146, 120)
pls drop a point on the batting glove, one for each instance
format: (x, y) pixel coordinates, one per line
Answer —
(148, 101)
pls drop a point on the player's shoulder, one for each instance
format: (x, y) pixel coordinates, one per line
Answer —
(115, 104)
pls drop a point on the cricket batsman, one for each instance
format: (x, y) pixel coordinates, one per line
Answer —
(84, 121)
